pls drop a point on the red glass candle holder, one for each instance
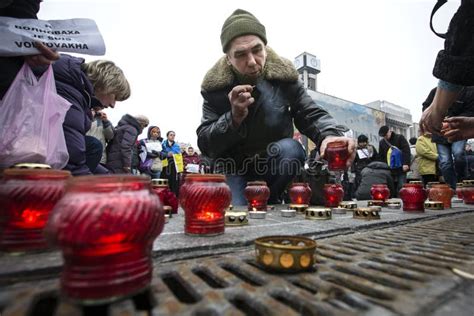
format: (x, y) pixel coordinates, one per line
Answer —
(468, 191)
(337, 154)
(257, 194)
(167, 197)
(300, 193)
(379, 192)
(429, 185)
(459, 190)
(204, 197)
(413, 197)
(333, 194)
(105, 227)
(442, 193)
(27, 197)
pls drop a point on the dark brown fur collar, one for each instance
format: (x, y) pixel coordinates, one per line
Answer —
(276, 68)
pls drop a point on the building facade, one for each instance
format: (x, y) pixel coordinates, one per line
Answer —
(359, 118)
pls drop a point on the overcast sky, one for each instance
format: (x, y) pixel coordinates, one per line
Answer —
(369, 50)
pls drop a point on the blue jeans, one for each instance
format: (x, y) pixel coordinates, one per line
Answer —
(399, 180)
(101, 169)
(452, 162)
(470, 166)
(278, 167)
(154, 175)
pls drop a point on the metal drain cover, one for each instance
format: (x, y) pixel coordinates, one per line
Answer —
(404, 270)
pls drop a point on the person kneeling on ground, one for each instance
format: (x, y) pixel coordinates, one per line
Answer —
(376, 172)
(252, 98)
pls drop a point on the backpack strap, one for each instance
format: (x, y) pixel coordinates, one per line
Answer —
(388, 143)
(438, 5)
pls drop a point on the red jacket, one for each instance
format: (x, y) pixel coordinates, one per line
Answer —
(193, 159)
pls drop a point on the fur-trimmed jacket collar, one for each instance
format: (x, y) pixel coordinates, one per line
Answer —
(276, 68)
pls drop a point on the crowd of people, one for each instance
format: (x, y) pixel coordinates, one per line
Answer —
(252, 100)
(428, 158)
(118, 150)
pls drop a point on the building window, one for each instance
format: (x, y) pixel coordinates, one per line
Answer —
(312, 84)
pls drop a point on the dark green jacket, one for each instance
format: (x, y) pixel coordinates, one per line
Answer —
(282, 102)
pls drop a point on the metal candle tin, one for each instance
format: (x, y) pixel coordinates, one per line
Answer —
(394, 204)
(339, 210)
(348, 205)
(285, 253)
(300, 208)
(318, 214)
(168, 210)
(288, 213)
(376, 203)
(375, 208)
(236, 218)
(434, 205)
(366, 213)
(257, 214)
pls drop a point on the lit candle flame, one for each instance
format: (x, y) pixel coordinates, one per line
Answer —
(207, 216)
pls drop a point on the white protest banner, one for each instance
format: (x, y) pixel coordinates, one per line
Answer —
(74, 35)
(156, 146)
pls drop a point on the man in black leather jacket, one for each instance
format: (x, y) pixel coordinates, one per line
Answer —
(252, 98)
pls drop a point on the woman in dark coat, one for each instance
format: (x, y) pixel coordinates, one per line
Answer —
(98, 83)
(120, 149)
(376, 172)
(82, 84)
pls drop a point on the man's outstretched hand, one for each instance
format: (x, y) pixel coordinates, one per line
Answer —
(351, 147)
(458, 128)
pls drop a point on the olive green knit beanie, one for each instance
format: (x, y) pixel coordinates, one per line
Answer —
(241, 23)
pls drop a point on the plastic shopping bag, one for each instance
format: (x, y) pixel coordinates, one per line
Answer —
(31, 118)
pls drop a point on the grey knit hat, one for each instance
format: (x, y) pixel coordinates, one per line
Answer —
(142, 120)
(241, 23)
